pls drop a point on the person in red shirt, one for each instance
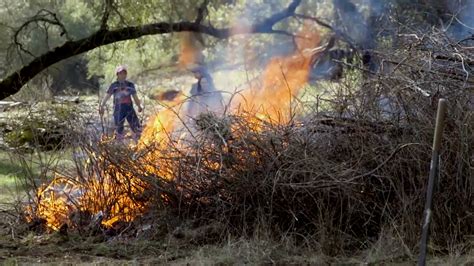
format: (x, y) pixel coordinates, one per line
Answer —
(123, 91)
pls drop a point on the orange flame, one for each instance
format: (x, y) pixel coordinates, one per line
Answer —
(282, 80)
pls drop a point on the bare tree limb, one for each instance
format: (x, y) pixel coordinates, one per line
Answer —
(105, 18)
(45, 17)
(267, 24)
(201, 12)
(339, 33)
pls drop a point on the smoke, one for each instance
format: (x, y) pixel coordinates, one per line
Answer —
(238, 61)
(463, 18)
(357, 19)
(376, 7)
(352, 22)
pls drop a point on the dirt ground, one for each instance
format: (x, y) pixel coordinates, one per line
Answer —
(19, 246)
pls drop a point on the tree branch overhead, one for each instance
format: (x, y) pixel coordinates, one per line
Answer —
(13, 83)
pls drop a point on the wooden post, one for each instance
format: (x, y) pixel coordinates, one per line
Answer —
(432, 180)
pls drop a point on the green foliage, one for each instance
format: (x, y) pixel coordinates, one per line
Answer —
(37, 38)
(138, 55)
(81, 18)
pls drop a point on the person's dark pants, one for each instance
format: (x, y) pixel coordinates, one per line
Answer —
(122, 112)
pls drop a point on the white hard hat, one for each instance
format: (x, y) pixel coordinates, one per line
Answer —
(120, 69)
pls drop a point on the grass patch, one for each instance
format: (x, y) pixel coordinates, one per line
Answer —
(73, 249)
(9, 177)
(15, 172)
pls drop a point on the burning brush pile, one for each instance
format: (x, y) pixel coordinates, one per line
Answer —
(338, 180)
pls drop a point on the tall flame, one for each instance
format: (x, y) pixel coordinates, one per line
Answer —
(282, 80)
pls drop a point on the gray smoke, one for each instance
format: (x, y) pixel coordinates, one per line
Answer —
(463, 14)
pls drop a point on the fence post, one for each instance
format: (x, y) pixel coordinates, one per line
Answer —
(432, 180)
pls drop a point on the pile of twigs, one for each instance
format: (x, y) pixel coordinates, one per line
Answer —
(339, 181)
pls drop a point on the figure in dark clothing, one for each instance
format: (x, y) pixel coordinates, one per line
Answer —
(123, 91)
(204, 96)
